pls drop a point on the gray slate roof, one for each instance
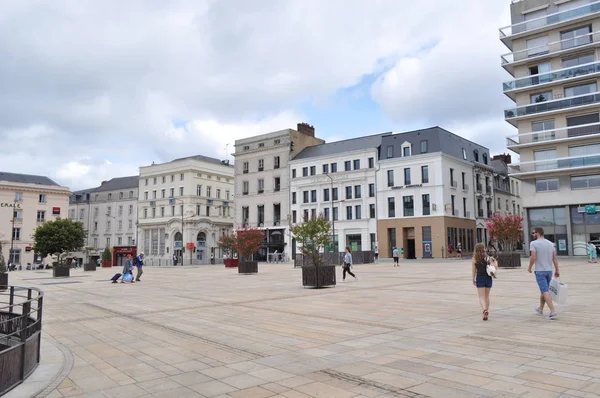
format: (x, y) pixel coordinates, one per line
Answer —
(332, 148)
(115, 184)
(499, 167)
(201, 158)
(26, 179)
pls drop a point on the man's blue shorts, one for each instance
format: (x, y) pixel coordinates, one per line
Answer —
(543, 279)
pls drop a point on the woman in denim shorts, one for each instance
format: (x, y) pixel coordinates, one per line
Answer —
(481, 279)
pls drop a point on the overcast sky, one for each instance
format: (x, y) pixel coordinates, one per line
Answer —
(91, 90)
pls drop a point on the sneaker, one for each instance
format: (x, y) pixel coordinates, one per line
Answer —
(553, 315)
(539, 312)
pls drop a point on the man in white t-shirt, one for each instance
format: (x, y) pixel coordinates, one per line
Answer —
(543, 255)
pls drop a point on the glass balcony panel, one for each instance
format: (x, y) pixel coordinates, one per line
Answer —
(547, 20)
(559, 164)
(579, 70)
(550, 48)
(554, 105)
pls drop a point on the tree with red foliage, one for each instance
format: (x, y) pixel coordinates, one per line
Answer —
(245, 242)
(506, 230)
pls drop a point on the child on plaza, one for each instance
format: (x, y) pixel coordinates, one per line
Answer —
(481, 279)
(592, 253)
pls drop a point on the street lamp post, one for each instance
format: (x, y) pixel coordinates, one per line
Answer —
(12, 238)
(332, 217)
(173, 201)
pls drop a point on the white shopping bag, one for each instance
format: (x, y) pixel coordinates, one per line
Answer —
(558, 291)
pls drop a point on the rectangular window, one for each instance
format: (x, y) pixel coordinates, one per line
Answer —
(407, 176)
(293, 198)
(581, 89)
(293, 173)
(371, 190)
(163, 193)
(313, 196)
(537, 46)
(261, 164)
(130, 194)
(326, 195)
(42, 198)
(120, 195)
(326, 213)
(181, 176)
(119, 241)
(585, 182)
(41, 216)
(576, 37)
(180, 191)
(391, 207)
(261, 185)
(245, 167)
(546, 184)
(390, 151)
(465, 207)
(261, 214)
(409, 206)
(109, 196)
(81, 214)
(108, 242)
(325, 169)
(294, 217)
(120, 210)
(357, 212)
(208, 192)
(405, 151)
(372, 210)
(199, 190)
(424, 146)
(305, 196)
(172, 210)
(130, 224)
(153, 212)
(348, 192)
(245, 187)
(109, 211)
(153, 194)
(582, 120)
(390, 178)
(547, 126)
(424, 174)
(347, 165)
(245, 214)
(218, 193)
(305, 172)
(154, 181)
(334, 167)
(348, 212)
(120, 224)
(313, 170)
(578, 60)
(276, 184)
(357, 192)
(16, 234)
(426, 205)
(335, 214)
(276, 162)
(540, 97)
(313, 214)
(356, 164)
(464, 152)
(305, 216)
(371, 163)
(171, 193)
(334, 193)
(544, 159)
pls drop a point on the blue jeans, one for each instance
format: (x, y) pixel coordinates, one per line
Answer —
(543, 279)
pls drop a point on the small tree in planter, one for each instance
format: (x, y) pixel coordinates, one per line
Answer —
(106, 258)
(506, 231)
(227, 244)
(312, 236)
(247, 242)
(3, 273)
(57, 237)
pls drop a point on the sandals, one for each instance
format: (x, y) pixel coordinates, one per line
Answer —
(486, 314)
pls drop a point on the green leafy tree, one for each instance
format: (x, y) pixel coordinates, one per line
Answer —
(227, 244)
(312, 236)
(506, 230)
(2, 262)
(57, 237)
(106, 256)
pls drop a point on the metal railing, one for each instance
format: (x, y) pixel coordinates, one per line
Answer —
(20, 334)
(563, 133)
(558, 163)
(549, 77)
(549, 19)
(553, 105)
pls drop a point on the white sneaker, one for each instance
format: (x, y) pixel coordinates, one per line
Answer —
(553, 315)
(539, 312)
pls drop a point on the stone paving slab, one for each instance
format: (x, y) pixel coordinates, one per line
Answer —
(412, 331)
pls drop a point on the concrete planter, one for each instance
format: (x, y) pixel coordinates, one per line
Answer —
(248, 267)
(89, 266)
(509, 260)
(3, 281)
(59, 272)
(318, 276)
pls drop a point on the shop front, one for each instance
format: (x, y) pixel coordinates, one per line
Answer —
(120, 255)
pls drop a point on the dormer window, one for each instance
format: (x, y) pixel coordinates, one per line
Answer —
(485, 158)
(406, 149)
(476, 155)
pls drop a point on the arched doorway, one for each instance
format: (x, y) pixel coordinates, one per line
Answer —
(178, 247)
(201, 254)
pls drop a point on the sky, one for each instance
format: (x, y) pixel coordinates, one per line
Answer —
(92, 90)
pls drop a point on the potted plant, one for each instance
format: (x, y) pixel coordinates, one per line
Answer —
(57, 237)
(89, 265)
(3, 273)
(247, 242)
(227, 244)
(106, 258)
(506, 231)
(312, 237)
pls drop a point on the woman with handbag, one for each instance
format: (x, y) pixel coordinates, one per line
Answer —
(347, 264)
(482, 277)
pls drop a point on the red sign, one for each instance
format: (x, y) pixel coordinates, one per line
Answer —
(56, 211)
(28, 248)
(190, 245)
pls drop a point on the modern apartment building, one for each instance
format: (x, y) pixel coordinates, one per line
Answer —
(338, 180)
(507, 188)
(262, 185)
(554, 65)
(184, 207)
(426, 197)
(27, 201)
(108, 213)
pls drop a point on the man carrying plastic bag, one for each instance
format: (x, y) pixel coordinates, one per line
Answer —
(543, 255)
(558, 291)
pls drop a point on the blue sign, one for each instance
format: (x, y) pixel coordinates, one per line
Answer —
(171, 201)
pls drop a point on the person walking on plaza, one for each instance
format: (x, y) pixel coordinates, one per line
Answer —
(592, 253)
(139, 263)
(481, 279)
(459, 249)
(543, 255)
(395, 254)
(347, 264)
(376, 253)
(175, 259)
(127, 269)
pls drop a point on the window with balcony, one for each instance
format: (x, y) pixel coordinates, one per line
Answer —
(371, 190)
(334, 194)
(578, 60)
(583, 155)
(305, 196)
(424, 174)
(536, 70)
(547, 126)
(576, 37)
(261, 185)
(391, 207)
(409, 206)
(537, 46)
(581, 89)
(407, 176)
(372, 210)
(546, 185)
(313, 196)
(426, 204)
(325, 169)
(544, 159)
(245, 188)
(575, 121)
(245, 167)
(357, 191)
(390, 178)
(540, 97)
(585, 182)
(348, 192)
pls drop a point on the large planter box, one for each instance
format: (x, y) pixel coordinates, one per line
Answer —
(3, 281)
(106, 264)
(248, 267)
(509, 260)
(89, 266)
(318, 276)
(61, 272)
(231, 262)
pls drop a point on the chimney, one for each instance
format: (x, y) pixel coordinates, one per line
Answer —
(306, 129)
(505, 157)
(103, 182)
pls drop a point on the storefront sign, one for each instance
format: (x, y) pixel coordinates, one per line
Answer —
(335, 176)
(11, 205)
(590, 209)
(56, 211)
(408, 186)
(562, 245)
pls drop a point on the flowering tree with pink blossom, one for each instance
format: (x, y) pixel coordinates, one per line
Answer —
(506, 230)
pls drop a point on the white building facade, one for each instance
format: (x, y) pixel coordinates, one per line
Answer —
(338, 181)
(262, 185)
(27, 201)
(184, 207)
(109, 215)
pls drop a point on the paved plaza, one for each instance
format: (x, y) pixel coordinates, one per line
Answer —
(413, 331)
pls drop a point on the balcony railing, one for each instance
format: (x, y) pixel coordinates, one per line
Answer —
(455, 212)
(468, 214)
(277, 188)
(488, 190)
(454, 185)
(465, 187)
(563, 133)
(479, 187)
(558, 164)
(550, 48)
(490, 214)
(480, 213)
(557, 75)
(553, 105)
(550, 19)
